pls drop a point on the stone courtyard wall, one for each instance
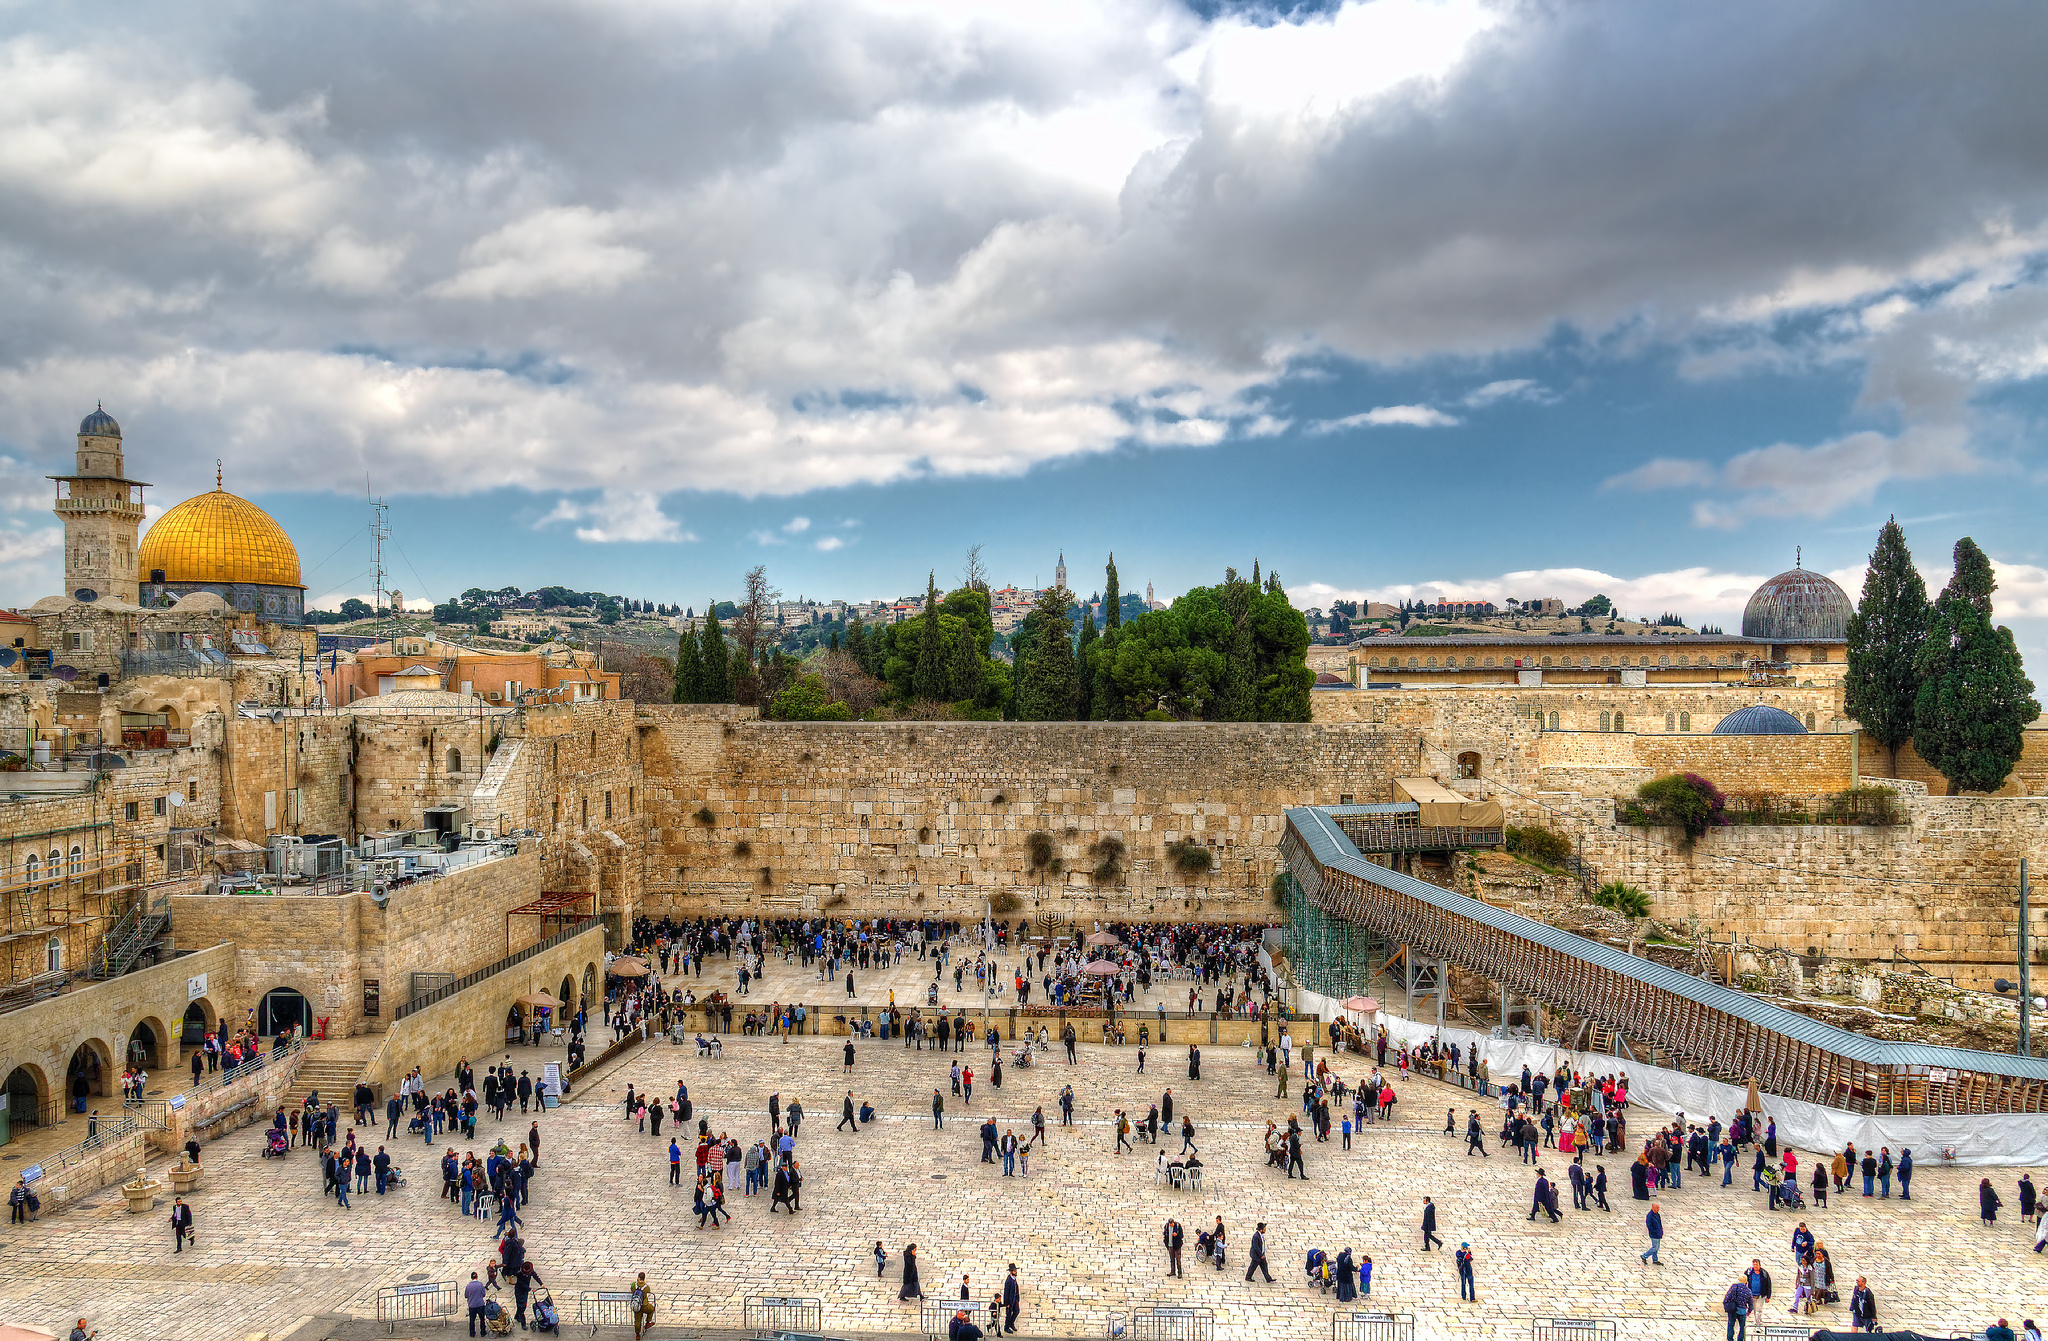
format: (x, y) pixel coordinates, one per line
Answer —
(934, 818)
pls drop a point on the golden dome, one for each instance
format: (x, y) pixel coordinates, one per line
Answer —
(218, 537)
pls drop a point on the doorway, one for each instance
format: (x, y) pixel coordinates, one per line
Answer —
(281, 1009)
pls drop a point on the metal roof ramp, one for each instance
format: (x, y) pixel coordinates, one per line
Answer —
(1710, 1028)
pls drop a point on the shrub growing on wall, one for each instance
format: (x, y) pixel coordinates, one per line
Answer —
(1685, 800)
(1546, 847)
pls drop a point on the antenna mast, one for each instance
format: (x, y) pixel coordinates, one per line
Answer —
(380, 530)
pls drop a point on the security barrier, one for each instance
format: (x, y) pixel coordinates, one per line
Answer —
(1365, 1325)
(1174, 1324)
(768, 1314)
(420, 1299)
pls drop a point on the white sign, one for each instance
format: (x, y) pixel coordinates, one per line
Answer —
(195, 987)
(551, 1073)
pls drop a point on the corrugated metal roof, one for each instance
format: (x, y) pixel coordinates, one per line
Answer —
(1643, 640)
(1328, 845)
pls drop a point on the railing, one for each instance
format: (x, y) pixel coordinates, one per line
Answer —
(935, 1316)
(152, 1113)
(1571, 1329)
(424, 1299)
(509, 961)
(111, 1129)
(1174, 1324)
(607, 1308)
(248, 1068)
(769, 1314)
(1418, 837)
(1708, 1028)
(134, 933)
(1370, 1326)
(27, 992)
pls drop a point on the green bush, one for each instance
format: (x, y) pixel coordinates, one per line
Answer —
(1685, 800)
(1190, 858)
(1623, 898)
(1864, 805)
(1040, 844)
(1546, 847)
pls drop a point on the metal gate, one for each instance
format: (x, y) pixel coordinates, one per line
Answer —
(613, 1308)
(1368, 1326)
(767, 1314)
(1571, 1329)
(424, 1299)
(1174, 1324)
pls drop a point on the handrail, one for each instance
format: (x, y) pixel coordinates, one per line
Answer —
(243, 1070)
(111, 1129)
(1711, 1028)
(509, 961)
(155, 1113)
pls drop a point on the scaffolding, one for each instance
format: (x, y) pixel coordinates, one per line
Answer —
(1328, 954)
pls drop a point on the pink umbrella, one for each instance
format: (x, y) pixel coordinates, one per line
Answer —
(1360, 1003)
(1105, 938)
(1100, 968)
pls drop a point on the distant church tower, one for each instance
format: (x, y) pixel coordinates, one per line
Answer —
(1060, 573)
(102, 514)
(1150, 604)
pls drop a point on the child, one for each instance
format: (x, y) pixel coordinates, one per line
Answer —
(881, 1258)
(1365, 1273)
(1347, 1131)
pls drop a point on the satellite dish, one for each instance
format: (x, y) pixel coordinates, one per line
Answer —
(176, 798)
(65, 673)
(7, 656)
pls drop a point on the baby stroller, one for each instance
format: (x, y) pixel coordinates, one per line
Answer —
(497, 1319)
(1318, 1269)
(275, 1144)
(1211, 1247)
(1789, 1195)
(394, 1177)
(546, 1317)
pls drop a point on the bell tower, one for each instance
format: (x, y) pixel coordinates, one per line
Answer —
(102, 514)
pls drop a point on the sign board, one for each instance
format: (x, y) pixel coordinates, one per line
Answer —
(177, 1102)
(551, 1072)
(178, 1028)
(31, 1173)
(4, 1097)
(372, 997)
(195, 987)
(428, 1288)
(614, 1296)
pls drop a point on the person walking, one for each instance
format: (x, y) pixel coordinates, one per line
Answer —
(641, 1299)
(1653, 1223)
(1468, 1286)
(1429, 1225)
(1863, 1307)
(473, 1295)
(1012, 1301)
(938, 1110)
(847, 1069)
(181, 1223)
(1737, 1304)
(1173, 1238)
(846, 1115)
(1258, 1262)
(1987, 1202)
(1474, 1143)
(911, 1289)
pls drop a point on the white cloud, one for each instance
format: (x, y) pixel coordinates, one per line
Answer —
(1698, 594)
(613, 517)
(1410, 416)
(1516, 388)
(20, 544)
(830, 543)
(1663, 473)
(563, 250)
(796, 526)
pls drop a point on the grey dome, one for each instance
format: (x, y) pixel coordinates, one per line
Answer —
(98, 424)
(1797, 607)
(1759, 719)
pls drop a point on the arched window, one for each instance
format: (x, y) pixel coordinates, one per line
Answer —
(55, 955)
(454, 761)
(1411, 663)
(1685, 721)
(29, 869)
(1670, 721)
(1809, 721)
(1606, 721)
(1664, 660)
(77, 861)
(1432, 663)
(1373, 662)
(1489, 661)
(1468, 764)
(1553, 721)
(56, 868)
(1643, 661)
(1617, 721)
(1604, 661)
(1585, 663)
(1546, 661)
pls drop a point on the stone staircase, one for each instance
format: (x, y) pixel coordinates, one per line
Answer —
(332, 1068)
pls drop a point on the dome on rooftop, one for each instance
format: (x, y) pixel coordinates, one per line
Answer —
(1759, 719)
(98, 424)
(1797, 607)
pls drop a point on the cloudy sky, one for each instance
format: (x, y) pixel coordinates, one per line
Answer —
(1399, 297)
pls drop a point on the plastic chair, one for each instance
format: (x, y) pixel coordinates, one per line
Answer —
(1194, 1180)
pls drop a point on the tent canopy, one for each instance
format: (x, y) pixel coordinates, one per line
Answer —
(1443, 808)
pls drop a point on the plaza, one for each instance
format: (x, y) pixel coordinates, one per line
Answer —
(1083, 1227)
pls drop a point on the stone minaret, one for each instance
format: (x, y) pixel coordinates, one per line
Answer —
(1059, 574)
(102, 514)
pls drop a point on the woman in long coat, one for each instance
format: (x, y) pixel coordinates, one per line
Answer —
(1347, 1277)
(1639, 1178)
(1988, 1202)
(1194, 1063)
(911, 1289)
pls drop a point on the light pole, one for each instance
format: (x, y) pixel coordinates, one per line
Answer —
(2025, 984)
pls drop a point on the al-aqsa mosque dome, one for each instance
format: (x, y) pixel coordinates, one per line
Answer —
(220, 543)
(1798, 606)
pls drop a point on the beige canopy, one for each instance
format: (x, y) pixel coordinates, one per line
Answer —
(538, 999)
(1444, 808)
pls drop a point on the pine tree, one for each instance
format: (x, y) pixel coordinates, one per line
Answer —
(835, 640)
(714, 661)
(1975, 699)
(1255, 574)
(689, 670)
(857, 641)
(1046, 688)
(1885, 637)
(968, 676)
(930, 676)
(1084, 668)
(1237, 696)
(1112, 599)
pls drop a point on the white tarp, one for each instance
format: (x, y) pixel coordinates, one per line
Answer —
(1993, 1138)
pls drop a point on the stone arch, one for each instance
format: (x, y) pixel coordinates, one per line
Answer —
(149, 1043)
(200, 1020)
(588, 997)
(567, 994)
(282, 1007)
(28, 1096)
(454, 761)
(89, 1072)
(1468, 764)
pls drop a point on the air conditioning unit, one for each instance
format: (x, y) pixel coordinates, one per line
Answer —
(482, 833)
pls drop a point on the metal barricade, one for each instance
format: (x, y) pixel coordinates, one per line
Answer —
(935, 1316)
(422, 1299)
(1783, 1331)
(1174, 1324)
(598, 1308)
(767, 1314)
(1369, 1326)
(1571, 1329)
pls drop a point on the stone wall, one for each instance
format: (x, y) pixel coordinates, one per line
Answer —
(103, 1017)
(935, 817)
(1789, 765)
(471, 1023)
(287, 776)
(401, 764)
(329, 947)
(2029, 776)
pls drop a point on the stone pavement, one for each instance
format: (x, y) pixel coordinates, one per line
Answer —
(1083, 1227)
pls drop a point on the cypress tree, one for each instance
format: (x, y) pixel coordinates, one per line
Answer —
(689, 670)
(1237, 697)
(1255, 574)
(1975, 698)
(1046, 687)
(835, 640)
(714, 660)
(1084, 668)
(857, 641)
(1885, 637)
(1112, 599)
(930, 677)
(968, 674)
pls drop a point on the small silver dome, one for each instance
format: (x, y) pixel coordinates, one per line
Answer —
(98, 424)
(1759, 719)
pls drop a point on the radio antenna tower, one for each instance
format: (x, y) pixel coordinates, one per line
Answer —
(380, 530)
